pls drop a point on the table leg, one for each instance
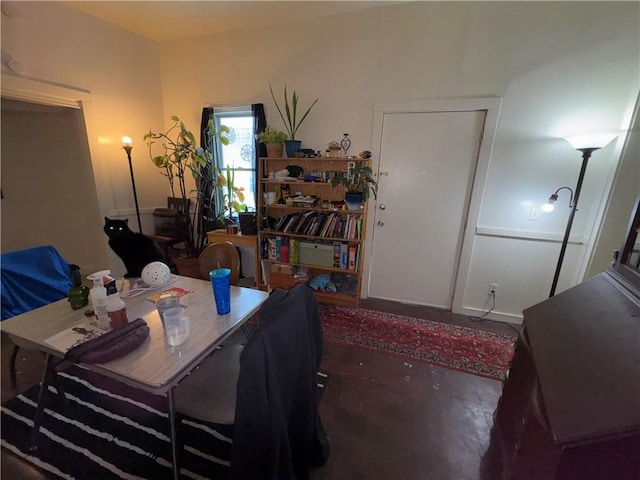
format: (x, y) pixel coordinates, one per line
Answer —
(12, 366)
(173, 428)
(37, 419)
(246, 331)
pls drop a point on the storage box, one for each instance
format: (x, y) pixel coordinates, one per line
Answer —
(283, 269)
(315, 253)
(281, 280)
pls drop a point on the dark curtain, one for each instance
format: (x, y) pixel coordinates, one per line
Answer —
(206, 220)
(260, 149)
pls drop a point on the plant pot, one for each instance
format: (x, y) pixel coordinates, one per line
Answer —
(231, 229)
(274, 150)
(187, 267)
(353, 200)
(248, 223)
(292, 147)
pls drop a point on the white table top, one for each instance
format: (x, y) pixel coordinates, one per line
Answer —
(156, 366)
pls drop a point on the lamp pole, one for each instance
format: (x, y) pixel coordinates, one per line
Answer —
(126, 141)
(586, 154)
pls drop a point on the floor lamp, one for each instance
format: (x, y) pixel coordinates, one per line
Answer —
(587, 145)
(126, 145)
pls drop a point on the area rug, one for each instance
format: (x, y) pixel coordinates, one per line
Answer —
(109, 430)
(468, 350)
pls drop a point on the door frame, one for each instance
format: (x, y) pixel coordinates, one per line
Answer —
(491, 106)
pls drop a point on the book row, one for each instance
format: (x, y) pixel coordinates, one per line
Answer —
(341, 255)
(322, 224)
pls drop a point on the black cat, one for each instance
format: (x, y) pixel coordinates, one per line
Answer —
(135, 249)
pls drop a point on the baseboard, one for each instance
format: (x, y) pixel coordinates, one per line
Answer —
(497, 316)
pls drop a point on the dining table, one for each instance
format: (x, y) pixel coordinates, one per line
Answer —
(155, 366)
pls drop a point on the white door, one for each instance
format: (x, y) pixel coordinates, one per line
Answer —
(427, 165)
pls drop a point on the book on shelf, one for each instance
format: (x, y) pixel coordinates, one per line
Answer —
(336, 254)
(302, 201)
(353, 248)
(284, 252)
(294, 249)
(344, 255)
(272, 248)
(326, 226)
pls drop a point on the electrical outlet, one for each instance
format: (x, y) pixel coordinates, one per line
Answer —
(493, 288)
(533, 214)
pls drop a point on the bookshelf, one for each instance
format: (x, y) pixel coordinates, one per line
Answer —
(308, 228)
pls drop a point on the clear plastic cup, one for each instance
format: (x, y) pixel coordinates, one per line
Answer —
(176, 325)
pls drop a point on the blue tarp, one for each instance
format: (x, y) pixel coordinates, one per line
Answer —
(32, 278)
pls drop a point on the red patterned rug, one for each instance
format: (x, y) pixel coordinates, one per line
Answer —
(468, 350)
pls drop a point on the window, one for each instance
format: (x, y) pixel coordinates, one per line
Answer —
(239, 155)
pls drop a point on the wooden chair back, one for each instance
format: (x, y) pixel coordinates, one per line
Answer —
(220, 255)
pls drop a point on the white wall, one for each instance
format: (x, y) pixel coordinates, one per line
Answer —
(560, 67)
(60, 46)
(37, 143)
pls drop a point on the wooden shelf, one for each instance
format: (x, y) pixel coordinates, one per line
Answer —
(276, 233)
(324, 191)
(311, 266)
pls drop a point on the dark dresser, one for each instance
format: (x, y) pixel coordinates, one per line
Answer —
(570, 406)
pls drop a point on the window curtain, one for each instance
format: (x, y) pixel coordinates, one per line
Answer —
(260, 149)
(206, 220)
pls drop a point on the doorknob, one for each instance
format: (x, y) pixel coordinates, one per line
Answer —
(383, 206)
(380, 223)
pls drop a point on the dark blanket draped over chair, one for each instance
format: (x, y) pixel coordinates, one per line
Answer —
(278, 433)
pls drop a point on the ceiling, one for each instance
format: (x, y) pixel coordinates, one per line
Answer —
(173, 20)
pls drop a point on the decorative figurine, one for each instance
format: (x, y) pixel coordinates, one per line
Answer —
(345, 144)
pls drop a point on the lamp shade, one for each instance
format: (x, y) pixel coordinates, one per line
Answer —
(590, 140)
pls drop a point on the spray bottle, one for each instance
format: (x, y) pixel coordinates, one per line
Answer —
(98, 297)
(116, 308)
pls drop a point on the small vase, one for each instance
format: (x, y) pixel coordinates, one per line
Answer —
(292, 147)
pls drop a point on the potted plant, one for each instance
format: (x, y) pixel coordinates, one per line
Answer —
(232, 197)
(358, 184)
(273, 140)
(291, 123)
(180, 159)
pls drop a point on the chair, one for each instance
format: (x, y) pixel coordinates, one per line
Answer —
(170, 224)
(277, 431)
(220, 255)
(29, 279)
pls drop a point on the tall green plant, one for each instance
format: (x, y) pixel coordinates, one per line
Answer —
(291, 123)
(182, 157)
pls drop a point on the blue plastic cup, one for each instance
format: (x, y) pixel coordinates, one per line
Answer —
(220, 279)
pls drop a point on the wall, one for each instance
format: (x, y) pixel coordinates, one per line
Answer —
(120, 73)
(557, 65)
(61, 211)
(560, 67)
(626, 189)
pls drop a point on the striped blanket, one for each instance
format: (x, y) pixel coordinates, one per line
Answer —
(109, 430)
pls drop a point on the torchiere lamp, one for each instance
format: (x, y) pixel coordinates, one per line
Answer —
(587, 145)
(126, 145)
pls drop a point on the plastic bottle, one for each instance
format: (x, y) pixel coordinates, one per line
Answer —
(98, 297)
(116, 308)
